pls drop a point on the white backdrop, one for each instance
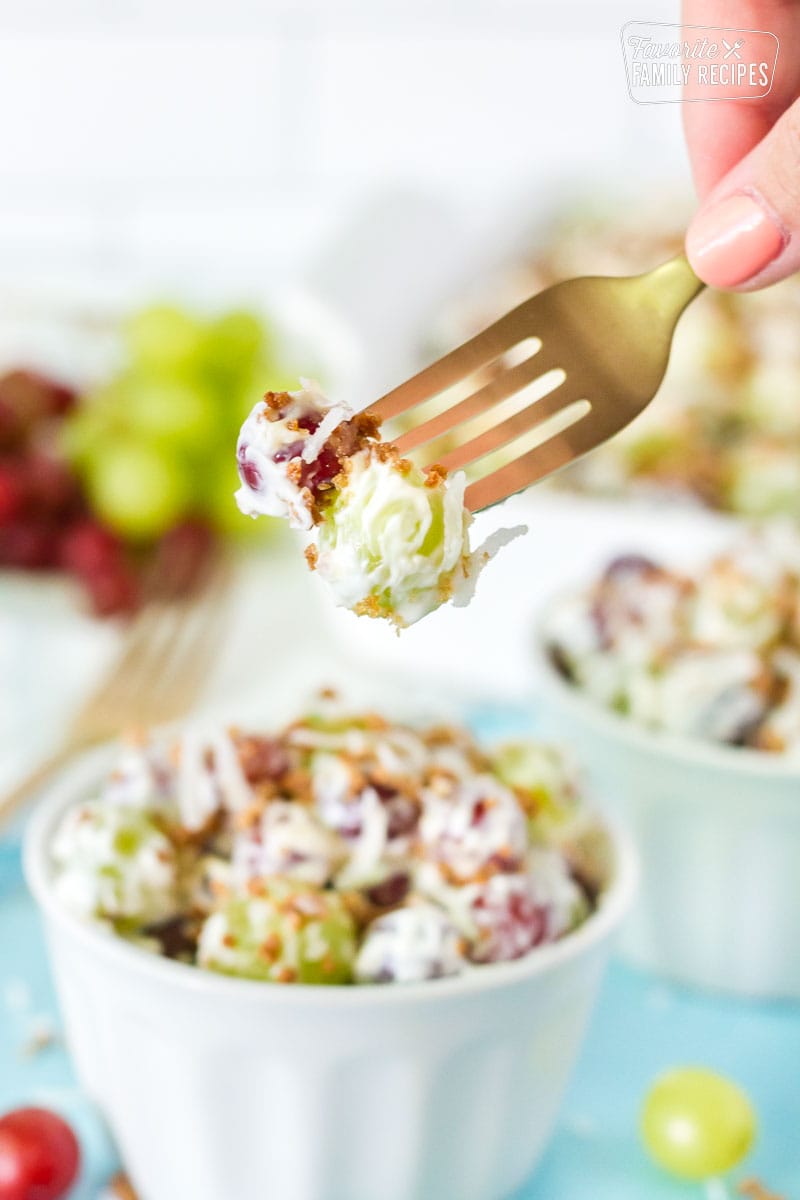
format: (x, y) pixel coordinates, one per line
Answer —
(179, 138)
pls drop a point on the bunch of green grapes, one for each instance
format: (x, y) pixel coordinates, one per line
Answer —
(155, 445)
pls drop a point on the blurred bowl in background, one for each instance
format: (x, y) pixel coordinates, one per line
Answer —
(718, 832)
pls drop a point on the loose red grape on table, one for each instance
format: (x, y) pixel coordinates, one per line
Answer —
(39, 1155)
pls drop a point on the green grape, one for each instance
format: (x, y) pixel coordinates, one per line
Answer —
(233, 343)
(172, 412)
(136, 489)
(291, 933)
(697, 1124)
(164, 338)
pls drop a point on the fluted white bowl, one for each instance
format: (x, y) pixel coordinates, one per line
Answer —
(225, 1089)
(718, 833)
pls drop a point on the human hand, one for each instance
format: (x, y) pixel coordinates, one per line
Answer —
(745, 157)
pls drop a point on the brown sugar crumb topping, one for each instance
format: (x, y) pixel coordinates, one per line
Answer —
(435, 474)
(311, 556)
(368, 607)
(294, 471)
(275, 403)
(271, 947)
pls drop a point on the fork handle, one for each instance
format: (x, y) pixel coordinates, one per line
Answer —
(13, 801)
(675, 284)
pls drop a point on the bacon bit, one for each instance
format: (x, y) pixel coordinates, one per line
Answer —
(311, 555)
(256, 887)
(328, 693)
(121, 1187)
(435, 474)
(403, 466)
(286, 975)
(230, 941)
(217, 888)
(328, 964)
(295, 920)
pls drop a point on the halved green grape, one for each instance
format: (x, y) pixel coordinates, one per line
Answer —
(287, 933)
(164, 337)
(392, 541)
(697, 1124)
(136, 489)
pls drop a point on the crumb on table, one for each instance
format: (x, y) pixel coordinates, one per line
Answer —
(756, 1190)
(120, 1187)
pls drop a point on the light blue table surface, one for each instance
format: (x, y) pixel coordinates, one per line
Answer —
(641, 1026)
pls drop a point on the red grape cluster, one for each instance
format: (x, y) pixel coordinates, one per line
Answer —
(46, 519)
(45, 523)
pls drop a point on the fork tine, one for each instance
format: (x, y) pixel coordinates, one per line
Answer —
(547, 405)
(465, 360)
(562, 448)
(129, 692)
(496, 390)
(190, 667)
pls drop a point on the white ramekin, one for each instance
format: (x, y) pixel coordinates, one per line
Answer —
(718, 833)
(226, 1089)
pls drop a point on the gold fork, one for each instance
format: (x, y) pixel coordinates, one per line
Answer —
(579, 361)
(164, 659)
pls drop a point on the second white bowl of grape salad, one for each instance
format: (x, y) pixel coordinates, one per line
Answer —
(682, 688)
(344, 960)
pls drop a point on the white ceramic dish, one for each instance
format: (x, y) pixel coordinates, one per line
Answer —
(718, 832)
(218, 1088)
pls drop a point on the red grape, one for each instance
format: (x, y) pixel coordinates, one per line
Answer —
(39, 1155)
(12, 493)
(51, 486)
(88, 549)
(28, 545)
(112, 590)
(10, 425)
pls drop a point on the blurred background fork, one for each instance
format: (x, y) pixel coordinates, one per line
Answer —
(164, 660)
(548, 382)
